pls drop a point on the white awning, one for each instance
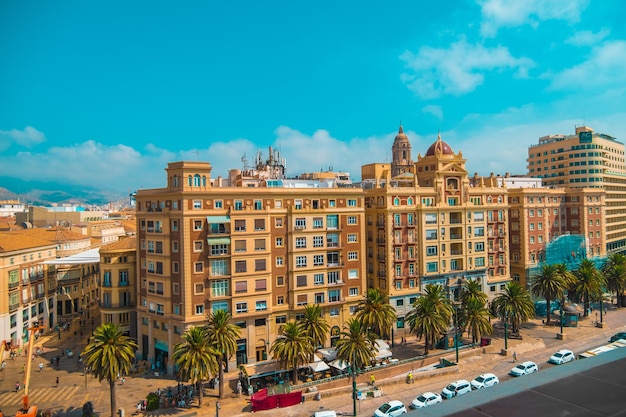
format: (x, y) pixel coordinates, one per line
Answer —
(90, 256)
(381, 344)
(319, 366)
(328, 354)
(383, 353)
(339, 364)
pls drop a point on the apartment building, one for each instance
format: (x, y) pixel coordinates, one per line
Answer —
(27, 286)
(432, 223)
(554, 225)
(118, 289)
(261, 249)
(586, 159)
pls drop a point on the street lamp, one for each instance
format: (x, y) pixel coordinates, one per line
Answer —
(456, 334)
(353, 384)
(506, 331)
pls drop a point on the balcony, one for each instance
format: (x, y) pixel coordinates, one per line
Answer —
(14, 306)
(14, 285)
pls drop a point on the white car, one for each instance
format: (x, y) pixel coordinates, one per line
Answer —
(562, 356)
(425, 399)
(456, 388)
(390, 409)
(484, 381)
(524, 368)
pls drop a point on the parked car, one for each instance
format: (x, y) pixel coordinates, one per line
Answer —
(325, 413)
(562, 356)
(524, 368)
(390, 409)
(425, 399)
(484, 381)
(617, 336)
(456, 388)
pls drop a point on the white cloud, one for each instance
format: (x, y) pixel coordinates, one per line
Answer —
(26, 138)
(587, 37)
(504, 13)
(436, 111)
(457, 70)
(604, 68)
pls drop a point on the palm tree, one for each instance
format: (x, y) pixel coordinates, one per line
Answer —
(195, 358)
(477, 317)
(357, 346)
(376, 313)
(614, 270)
(109, 354)
(223, 337)
(431, 315)
(549, 284)
(514, 305)
(314, 325)
(293, 348)
(472, 290)
(589, 284)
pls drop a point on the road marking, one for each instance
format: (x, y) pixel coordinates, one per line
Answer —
(39, 396)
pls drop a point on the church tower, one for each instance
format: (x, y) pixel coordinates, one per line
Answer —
(401, 154)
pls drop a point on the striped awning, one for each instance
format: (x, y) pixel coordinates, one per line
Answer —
(218, 219)
(218, 240)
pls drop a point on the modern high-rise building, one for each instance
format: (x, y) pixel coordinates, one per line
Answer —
(261, 249)
(586, 159)
(432, 223)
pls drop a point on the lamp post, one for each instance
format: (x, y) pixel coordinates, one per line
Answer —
(456, 334)
(217, 408)
(506, 331)
(601, 324)
(353, 385)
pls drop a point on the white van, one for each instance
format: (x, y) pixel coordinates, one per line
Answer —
(325, 413)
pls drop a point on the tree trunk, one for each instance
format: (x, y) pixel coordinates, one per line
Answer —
(548, 308)
(113, 400)
(221, 377)
(425, 343)
(294, 376)
(199, 386)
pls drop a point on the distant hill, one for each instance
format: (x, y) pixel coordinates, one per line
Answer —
(45, 193)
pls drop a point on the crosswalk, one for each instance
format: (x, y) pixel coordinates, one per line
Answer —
(46, 397)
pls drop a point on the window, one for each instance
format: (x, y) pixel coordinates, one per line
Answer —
(240, 266)
(318, 223)
(197, 246)
(279, 242)
(431, 234)
(431, 250)
(175, 246)
(353, 255)
(432, 267)
(258, 205)
(479, 231)
(197, 204)
(240, 225)
(334, 296)
(259, 322)
(241, 287)
(280, 300)
(279, 261)
(352, 220)
(300, 242)
(319, 297)
(352, 238)
(260, 265)
(199, 309)
(280, 281)
(260, 285)
(351, 203)
(353, 291)
(197, 225)
(281, 319)
(219, 305)
(259, 224)
(238, 205)
(318, 279)
(199, 267)
(332, 221)
(318, 260)
(278, 222)
(241, 308)
(301, 300)
(333, 312)
(318, 241)
(301, 281)
(219, 288)
(300, 223)
(297, 204)
(479, 246)
(479, 261)
(300, 261)
(261, 305)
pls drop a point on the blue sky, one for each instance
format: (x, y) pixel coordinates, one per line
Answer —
(106, 93)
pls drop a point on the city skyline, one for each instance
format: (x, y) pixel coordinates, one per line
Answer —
(109, 94)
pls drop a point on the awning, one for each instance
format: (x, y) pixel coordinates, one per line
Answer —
(383, 353)
(328, 354)
(319, 366)
(160, 345)
(381, 344)
(218, 219)
(218, 240)
(339, 364)
(87, 257)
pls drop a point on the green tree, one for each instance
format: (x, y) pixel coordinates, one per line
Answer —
(550, 284)
(314, 325)
(477, 318)
(431, 314)
(514, 305)
(376, 313)
(472, 289)
(589, 283)
(109, 354)
(195, 358)
(357, 345)
(293, 348)
(223, 337)
(614, 271)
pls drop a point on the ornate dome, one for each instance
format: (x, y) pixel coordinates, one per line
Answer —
(401, 136)
(440, 146)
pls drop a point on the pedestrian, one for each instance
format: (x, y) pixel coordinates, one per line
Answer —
(23, 368)
(123, 380)
(57, 382)
(239, 389)
(372, 380)
(17, 386)
(514, 356)
(40, 366)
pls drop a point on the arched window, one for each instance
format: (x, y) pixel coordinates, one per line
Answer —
(196, 180)
(409, 201)
(175, 181)
(204, 180)
(189, 181)
(396, 201)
